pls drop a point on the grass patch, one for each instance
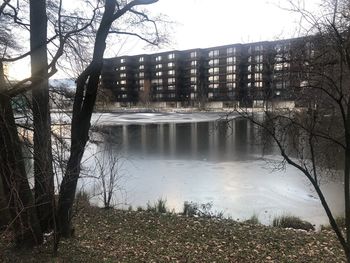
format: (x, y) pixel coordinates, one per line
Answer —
(158, 207)
(253, 220)
(288, 221)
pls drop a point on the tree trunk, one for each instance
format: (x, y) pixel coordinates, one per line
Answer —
(13, 175)
(84, 102)
(43, 173)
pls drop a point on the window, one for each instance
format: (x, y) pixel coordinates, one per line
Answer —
(122, 88)
(171, 56)
(159, 74)
(193, 79)
(171, 87)
(258, 84)
(171, 72)
(230, 69)
(171, 95)
(231, 77)
(213, 53)
(214, 62)
(194, 87)
(193, 63)
(259, 58)
(159, 66)
(122, 68)
(123, 75)
(231, 60)
(142, 82)
(158, 58)
(214, 79)
(257, 76)
(231, 50)
(157, 81)
(214, 86)
(171, 64)
(124, 96)
(193, 54)
(250, 68)
(278, 66)
(249, 84)
(122, 60)
(123, 82)
(141, 59)
(141, 67)
(193, 95)
(171, 80)
(249, 76)
(231, 85)
(259, 67)
(210, 95)
(193, 71)
(141, 75)
(214, 70)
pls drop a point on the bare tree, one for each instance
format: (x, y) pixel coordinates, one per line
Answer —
(43, 173)
(109, 172)
(311, 136)
(12, 168)
(87, 84)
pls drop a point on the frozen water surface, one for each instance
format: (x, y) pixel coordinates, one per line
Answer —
(191, 157)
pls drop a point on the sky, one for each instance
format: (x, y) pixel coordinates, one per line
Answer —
(207, 23)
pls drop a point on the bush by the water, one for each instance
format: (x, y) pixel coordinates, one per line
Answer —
(287, 221)
(158, 207)
(200, 210)
(253, 220)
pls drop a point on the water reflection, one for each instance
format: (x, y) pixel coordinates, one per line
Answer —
(213, 141)
(218, 162)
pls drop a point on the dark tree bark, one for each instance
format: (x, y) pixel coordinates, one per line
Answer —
(43, 173)
(82, 111)
(83, 106)
(13, 175)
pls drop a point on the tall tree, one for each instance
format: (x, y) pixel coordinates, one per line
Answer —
(87, 84)
(43, 173)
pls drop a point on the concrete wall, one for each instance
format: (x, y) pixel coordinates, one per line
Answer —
(214, 105)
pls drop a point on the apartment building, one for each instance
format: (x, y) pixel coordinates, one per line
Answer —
(245, 74)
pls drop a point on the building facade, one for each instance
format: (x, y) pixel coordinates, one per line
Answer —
(239, 74)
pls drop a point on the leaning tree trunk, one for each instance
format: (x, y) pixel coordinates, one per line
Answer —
(16, 188)
(84, 102)
(43, 173)
(83, 106)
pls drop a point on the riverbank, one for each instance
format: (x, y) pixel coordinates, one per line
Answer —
(129, 236)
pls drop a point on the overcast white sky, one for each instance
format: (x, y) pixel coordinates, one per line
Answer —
(206, 23)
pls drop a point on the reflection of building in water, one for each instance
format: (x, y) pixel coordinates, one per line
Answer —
(245, 74)
(200, 141)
